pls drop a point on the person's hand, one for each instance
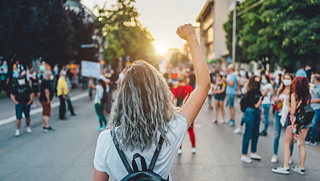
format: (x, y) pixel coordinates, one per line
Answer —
(224, 79)
(49, 102)
(281, 100)
(30, 102)
(186, 32)
(64, 96)
(16, 102)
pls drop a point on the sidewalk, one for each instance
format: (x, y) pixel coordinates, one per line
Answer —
(7, 107)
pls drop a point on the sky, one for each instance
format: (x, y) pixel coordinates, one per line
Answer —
(162, 17)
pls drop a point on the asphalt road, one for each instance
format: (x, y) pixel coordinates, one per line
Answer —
(67, 154)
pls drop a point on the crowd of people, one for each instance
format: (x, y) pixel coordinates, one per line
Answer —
(259, 93)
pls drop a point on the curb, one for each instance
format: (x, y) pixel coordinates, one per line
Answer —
(39, 110)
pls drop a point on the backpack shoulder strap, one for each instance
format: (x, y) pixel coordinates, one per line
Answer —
(120, 152)
(156, 154)
(176, 89)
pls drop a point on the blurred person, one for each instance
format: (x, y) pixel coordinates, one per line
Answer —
(301, 72)
(34, 84)
(299, 97)
(308, 71)
(181, 92)
(103, 76)
(276, 75)
(168, 78)
(284, 70)
(192, 78)
(121, 75)
(4, 81)
(62, 92)
(315, 104)
(251, 118)
(266, 91)
(160, 119)
(257, 71)
(243, 81)
(100, 101)
(45, 97)
(219, 96)
(283, 93)
(210, 92)
(231, 91)
(22, 96)
(213, 74)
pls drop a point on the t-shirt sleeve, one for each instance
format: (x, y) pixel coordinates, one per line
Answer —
(14, 90)
(29, 91)
(99, 161)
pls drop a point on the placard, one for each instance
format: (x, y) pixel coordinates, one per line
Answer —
(90, 68)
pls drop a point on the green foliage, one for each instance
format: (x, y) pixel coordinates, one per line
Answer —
(285, 31)
(178, 58)
(125, 33)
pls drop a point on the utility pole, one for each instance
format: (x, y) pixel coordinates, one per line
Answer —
(234, 38)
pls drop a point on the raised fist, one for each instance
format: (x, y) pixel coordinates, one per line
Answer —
(186, 32)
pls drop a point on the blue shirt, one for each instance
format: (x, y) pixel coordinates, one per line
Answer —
(301, 73)
(232, 90)
(315, 95)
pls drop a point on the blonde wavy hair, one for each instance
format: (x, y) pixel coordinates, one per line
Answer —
(142, 109)
(182, 77)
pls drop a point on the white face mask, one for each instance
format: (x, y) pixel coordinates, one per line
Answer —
(34, 74)
(21, 81)
(287, 82)
(64, 77)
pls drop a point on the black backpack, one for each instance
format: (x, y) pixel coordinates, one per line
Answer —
(304, 117)
(136, 175)
(243, 103)
(104, 98)
(180, 97)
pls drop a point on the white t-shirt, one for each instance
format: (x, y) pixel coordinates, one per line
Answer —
(107, 159)
(99, 94)
(267, 98)
(121, 77)
(257, 73)
(275, 75)
(210, 92)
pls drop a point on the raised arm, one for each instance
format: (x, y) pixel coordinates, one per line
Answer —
(198, 96)
(91, 85)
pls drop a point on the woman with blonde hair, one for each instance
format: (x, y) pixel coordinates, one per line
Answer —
(181, 92)
(143, 114)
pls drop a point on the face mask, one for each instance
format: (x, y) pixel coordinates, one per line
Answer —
(34, 74)
(264, 81)
(311, 81)
(258, 85)
(169, 81)
(63, 77)
(287, 82)
(21, 81)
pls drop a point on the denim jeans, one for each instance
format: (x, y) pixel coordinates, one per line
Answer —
(314, 127)
(266, 108)
(99, 110)
(252, 121)
(277, 132)
(62, 107)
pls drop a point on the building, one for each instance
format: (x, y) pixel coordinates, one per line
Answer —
(212, 35)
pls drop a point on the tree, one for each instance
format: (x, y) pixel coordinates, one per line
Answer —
(126, 36)
(293, 29)
(178, 58)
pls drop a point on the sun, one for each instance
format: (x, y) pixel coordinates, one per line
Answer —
(161, 50)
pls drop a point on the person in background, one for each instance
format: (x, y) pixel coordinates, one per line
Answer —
(34, 84)
(22, 96)
(231, 91)
(315, 104)
(4, 80)
(219, 96)
(243, 81)
(266, 91)
(182, 90)
(210, 92)
(191, 78)
(45, 97)
(284, 70)
(283, 93)
(301, 72)
(121, 75)
(62, 92)
(299, 97)
(99, 103)
(168, 78)
(251, 118)
(308, 71)
(257, 71)
(213, 75)
(276, 76)
(160, 118)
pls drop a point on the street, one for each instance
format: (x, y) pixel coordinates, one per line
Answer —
(67, 154)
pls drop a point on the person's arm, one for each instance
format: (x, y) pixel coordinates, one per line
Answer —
(293, 106)
(265, 92)
(14, 99)
(47, 93)
(31, 98)
(231, 83)
(315, 101)
(257, 105)
(222, 90)
(91, 85)
(7, 80)
(199, 95)
(100, 176)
